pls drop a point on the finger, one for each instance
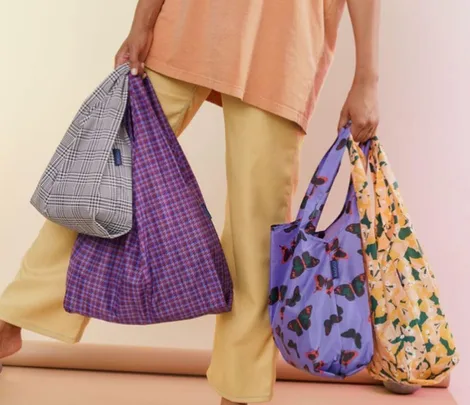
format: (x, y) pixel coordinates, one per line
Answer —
(343, 120)
(135, 64)
(359, 132)
(121, 58)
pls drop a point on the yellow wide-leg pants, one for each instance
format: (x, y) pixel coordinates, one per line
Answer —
(262, 165)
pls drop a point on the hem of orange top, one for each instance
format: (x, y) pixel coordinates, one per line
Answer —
(262, 103)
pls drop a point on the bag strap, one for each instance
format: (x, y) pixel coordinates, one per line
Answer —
(138, 85)
(322, 181)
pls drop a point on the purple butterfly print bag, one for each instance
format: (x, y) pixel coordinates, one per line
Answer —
(170, 266)
(318, 300)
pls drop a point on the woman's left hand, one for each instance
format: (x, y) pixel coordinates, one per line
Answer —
(362, 109)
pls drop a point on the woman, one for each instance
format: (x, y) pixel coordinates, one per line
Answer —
(264, 62)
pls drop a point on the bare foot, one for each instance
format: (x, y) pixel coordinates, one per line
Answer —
(10, 339)
(227, 402)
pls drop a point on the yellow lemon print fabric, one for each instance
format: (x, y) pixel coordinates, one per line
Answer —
(413, 343)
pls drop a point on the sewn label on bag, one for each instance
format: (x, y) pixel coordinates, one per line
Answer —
(334, 269)
(117, 157)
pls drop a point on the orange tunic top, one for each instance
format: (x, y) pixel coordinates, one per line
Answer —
(273, 54)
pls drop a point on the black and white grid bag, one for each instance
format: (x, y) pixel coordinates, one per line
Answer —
(87, 185)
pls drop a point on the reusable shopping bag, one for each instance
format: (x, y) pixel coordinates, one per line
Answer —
(413, 343)
(318, 301)
(87, 185)
(170, 266)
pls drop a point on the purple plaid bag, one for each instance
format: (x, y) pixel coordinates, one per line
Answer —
(319, 307)
(170, 266)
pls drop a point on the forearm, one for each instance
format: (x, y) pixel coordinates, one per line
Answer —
(146, 13)
(365, 19)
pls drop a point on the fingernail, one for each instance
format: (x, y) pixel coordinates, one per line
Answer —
(134, 72)
(143, 65)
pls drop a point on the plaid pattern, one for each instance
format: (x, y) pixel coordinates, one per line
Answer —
(170, 266)
(87, 185)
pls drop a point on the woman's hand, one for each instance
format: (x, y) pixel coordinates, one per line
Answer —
(135, 50)
(362, 109)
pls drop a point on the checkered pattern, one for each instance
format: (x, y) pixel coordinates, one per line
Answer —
(170, 266)
(84, 187)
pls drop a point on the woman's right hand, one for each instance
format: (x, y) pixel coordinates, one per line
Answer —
(135, 50)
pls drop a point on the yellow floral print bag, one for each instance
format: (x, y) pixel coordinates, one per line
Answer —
(413, 343)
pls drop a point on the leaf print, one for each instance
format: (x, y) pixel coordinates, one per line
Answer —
(371, 250)
(373, 304)
(396, 322)
(434, 299)
(380, 319)
(395, 185)
(400, 348)
(404, 233)
(415, 274)
(429, 346)
(366, 221)
(445, 343)
(422, 318)
(380, 226)
(412, 254)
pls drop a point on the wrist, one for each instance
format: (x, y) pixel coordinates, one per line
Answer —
(366, 76)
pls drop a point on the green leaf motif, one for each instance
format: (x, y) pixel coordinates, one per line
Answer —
(366, 221)
(373, 304)
(380, 226)
(404, 233)
(434, 298)
(380, 320)
(415, 274)
(429, 346)
(439, 312)
(396, 322)
(412, 254)
(445, 343)
(400, 348)
(371, 250)
(414, 322)
(423, 317)
(395, 185)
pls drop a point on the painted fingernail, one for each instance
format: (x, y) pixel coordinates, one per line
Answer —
(134, 72)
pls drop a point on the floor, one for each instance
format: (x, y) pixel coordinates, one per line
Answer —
(29, 386)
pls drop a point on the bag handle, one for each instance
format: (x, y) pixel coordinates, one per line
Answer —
(322, 181)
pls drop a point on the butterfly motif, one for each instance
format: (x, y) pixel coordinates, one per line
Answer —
(313, 355)
(318, 180)
(323, 282)
(317, 367)
(335, 250)
(334, 318)
(302, 322)
(280, 333)
(342, 144)
(282, 312)
(292, 345)
(288, 252)
(292, 227)
(302, 263)
(355, 229)
(352, 334)
(277, 294)
(347, 208)
(296, 297)
(310, 228)
(356, 288)
(347, 356)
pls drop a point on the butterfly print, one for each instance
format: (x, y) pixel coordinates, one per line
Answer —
(302, 263)
(347, 209)
(317, 367)
(291, 302)
(282, 311)
(302, 322)
(313, 355)
(324, 283)
(281, 335)
(310, 228)
(277, 294)
(335, 250)
(332, 320)
(342, 144)
(356, 288)
(288, 252)
(292, 227)
(347, 356)
(318, 180)
(352, 334)
(292, 345)
(355, 229)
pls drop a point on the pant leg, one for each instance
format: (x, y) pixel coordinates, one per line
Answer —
(262, 166)
(34, 300)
